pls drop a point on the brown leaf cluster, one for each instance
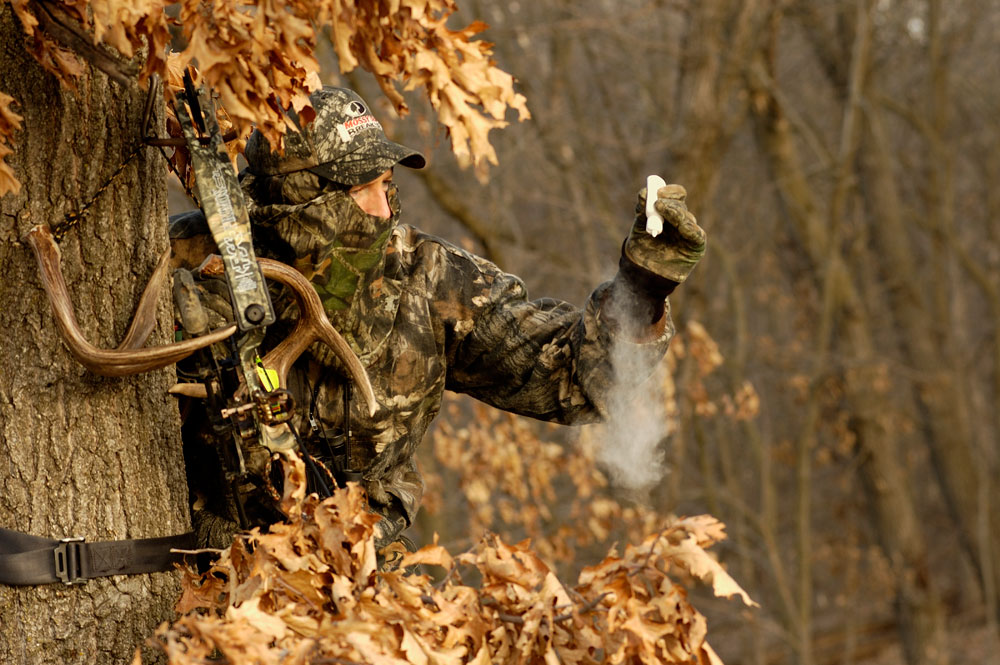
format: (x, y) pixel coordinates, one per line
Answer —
(308, 592)
(259, 57)
(513, 477)
(698, 344)
(456, 72)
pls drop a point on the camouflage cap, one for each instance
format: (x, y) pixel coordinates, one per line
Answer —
(344, 143)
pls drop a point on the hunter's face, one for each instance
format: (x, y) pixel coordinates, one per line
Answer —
(372, 197)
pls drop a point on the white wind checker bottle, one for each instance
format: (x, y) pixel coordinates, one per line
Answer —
(654, 222)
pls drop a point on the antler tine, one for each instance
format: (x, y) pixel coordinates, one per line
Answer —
(313, 325)
(145, 313)
(127, 359)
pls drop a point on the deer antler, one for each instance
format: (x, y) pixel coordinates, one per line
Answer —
(312, 326)
(128, 358)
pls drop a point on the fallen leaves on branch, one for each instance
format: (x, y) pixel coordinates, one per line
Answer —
(308, 592)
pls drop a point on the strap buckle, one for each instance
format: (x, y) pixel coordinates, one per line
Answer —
(69, 563)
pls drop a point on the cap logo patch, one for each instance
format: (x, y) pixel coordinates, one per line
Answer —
(351, 128)
(354, 109)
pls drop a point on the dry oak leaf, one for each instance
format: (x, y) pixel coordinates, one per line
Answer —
(703, 348)
(249, 612)
(689, 555)
(10, 122)
(56, 59)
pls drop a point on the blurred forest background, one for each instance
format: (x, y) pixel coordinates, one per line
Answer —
(833, 393)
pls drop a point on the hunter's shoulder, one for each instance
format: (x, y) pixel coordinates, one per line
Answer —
(415, 247)
(431, 264)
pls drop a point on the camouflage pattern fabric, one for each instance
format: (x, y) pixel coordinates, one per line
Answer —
(344, 143)
(424, 316)
(676, 252)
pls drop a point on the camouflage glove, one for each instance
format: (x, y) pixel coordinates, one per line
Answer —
(650, 267)
(670, 257)
(392, 524)
(390, 543)
(200, 305)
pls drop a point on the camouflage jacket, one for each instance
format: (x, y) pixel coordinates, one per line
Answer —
(426, 316)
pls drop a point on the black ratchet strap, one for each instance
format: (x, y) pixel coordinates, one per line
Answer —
(29, 560)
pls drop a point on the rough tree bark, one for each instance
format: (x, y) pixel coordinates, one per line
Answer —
(82, 455)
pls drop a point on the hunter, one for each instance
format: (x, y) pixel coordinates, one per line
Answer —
(420, 313)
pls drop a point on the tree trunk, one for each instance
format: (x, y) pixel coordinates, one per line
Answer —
(942, 411)
(82, 455)
(894, 511)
